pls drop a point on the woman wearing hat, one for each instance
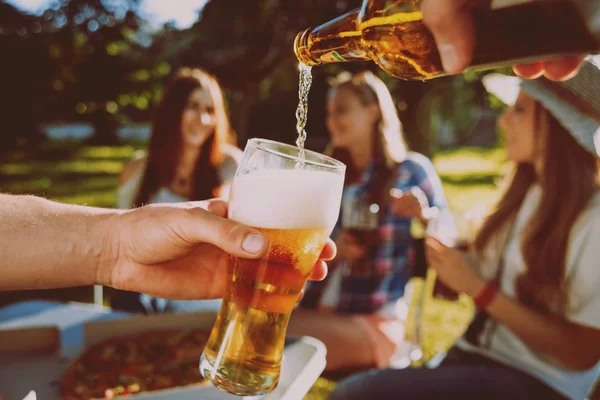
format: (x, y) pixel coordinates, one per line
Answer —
(534, 272)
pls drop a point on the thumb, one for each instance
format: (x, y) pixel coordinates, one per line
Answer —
(198, 225)
(451, 24)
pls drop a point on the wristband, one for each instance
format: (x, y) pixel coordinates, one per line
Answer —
(486, 295)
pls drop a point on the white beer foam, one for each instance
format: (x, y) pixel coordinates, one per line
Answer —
(286, 199)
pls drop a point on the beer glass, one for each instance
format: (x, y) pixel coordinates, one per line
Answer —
(360, 218)
(295, 204)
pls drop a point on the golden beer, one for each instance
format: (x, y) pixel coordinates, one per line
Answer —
(256, 309)
(295, 206)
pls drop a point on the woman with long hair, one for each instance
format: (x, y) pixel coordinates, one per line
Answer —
(190, 156)
(190, 153)
(389, 185)
(533, 272)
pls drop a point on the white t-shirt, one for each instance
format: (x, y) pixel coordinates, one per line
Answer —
(127, 191)
(583, 277)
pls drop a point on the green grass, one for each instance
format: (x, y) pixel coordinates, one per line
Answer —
(470, 176)
(76, 175)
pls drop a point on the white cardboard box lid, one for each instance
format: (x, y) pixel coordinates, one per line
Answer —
(40, 362)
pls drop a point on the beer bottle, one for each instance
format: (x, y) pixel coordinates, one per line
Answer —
(391, 33)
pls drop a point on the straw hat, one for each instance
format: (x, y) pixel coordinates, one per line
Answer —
(575, 103)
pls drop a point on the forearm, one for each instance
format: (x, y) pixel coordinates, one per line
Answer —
(551, 336)
(44, 244)
(339, 333)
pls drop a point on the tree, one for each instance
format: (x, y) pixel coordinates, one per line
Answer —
(99, 46)
(80, 60)
(25, 72)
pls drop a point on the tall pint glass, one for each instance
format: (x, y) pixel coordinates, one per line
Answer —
(295, 204)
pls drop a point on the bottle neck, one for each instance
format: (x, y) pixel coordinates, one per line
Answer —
(338, 40)
(301, 48)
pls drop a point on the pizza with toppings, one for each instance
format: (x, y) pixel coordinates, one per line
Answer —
(133, 364)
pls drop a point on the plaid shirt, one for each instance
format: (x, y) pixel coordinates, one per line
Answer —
(391, 256)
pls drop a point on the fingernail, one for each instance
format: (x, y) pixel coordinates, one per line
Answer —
(217, 207)
(253, 243)
(449, 58)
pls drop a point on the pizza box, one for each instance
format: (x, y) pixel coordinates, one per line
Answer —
(32, 360)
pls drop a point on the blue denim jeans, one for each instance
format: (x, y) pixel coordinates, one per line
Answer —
(461, 376)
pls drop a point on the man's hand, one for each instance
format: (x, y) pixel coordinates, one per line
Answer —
(451, 23)
(181, 251)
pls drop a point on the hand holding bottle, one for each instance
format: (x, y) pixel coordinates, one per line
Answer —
(426, 39)
(451, 23)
